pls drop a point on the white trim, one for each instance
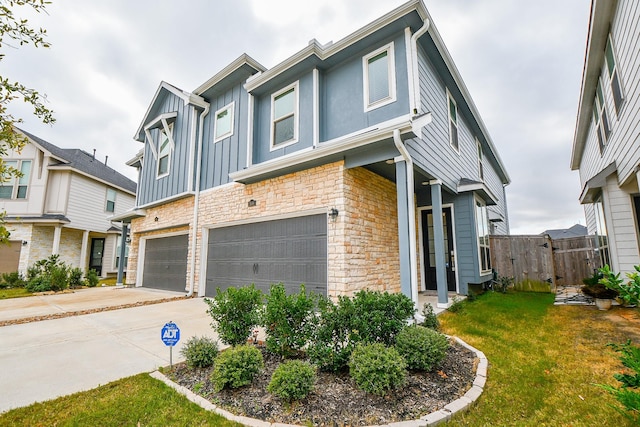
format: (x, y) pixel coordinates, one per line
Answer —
(231, 108)
(316, 107)
(480, 156)
(243, 59)
(423, 276)
(165, 200)
(192, 147)
(414, 74)
(391, 77)
(296, 116)
(451, 99)
(255, 219)
(168, 129)
(250, 130)
(410, 70)
(476, 200)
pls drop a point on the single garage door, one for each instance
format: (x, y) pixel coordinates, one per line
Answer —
(10, 256)
(289, 251)
(165, 263)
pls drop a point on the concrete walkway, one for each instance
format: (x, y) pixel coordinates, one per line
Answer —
(46, 359)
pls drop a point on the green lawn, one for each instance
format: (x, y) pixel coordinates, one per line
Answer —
(14, 293)
(543, 361)
(135, 401)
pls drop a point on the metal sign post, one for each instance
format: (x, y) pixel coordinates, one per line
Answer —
(170, 336)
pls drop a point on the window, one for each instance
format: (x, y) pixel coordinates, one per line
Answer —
(224, 123)
(111, 200)
(602, 240)
(480, 158)
(284, 120)
(164, 150)
(482, 226)
(616, 89)
(12, 187)
(379, 78)
(453, 121)
(600, 119)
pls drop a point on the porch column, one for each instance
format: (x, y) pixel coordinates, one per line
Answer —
(83, 251)
(438, 242)
(57, 232)
(123, 249)
(403, 228)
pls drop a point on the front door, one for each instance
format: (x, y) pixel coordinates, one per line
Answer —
(97, 249)
(429, 249)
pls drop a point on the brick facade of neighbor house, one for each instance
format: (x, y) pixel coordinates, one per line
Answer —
(361, 243)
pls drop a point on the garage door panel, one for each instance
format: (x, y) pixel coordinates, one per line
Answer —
(291, 251)
(165, 263)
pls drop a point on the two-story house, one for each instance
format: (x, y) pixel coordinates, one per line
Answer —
(61, 205)
(606, 145)
(358, 164)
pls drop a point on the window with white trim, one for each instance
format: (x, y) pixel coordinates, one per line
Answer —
(602, 239)
(600, 118)
(453, 121)
(482, 227)
(164, 150)
(614, 77)
(111, 200)
(224, 122)
(480, 160)
(379, 78)
(284, 116)
(12, 186)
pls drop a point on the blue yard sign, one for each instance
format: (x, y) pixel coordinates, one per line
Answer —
(170, 334)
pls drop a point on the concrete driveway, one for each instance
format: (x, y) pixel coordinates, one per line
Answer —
(46, 359)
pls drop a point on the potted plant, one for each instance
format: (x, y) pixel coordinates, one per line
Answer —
(596, 287)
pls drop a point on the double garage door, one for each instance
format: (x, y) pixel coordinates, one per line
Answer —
(290, 251)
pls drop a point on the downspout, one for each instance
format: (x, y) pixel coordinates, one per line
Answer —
(414, 74)
(413, 265)
(196, 203)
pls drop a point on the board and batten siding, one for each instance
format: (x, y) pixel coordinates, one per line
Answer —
(228, 155)
(151, 188)
(621, 227)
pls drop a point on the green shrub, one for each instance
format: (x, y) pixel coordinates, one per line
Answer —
(48, 274)
(331, 345)
(289, 320)
(292, 380)
(200, 352)
(430, 319)
(13, 280)
(456, 305)
(376, 368)
(236, 367)
(422, 348)
(628, 394)
(629, 293)
(91, 278)
(235, 313)
(75, 278)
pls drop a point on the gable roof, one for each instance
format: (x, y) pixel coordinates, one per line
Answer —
(576, 230)
(84, 163)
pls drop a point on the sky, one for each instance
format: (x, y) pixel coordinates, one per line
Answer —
(521, 61)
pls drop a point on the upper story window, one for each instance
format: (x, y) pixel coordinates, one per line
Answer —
(284, 116)
(111, 200)
(600, 118)
(164, 150)
(482, 227)
(16, 187)
(224, 122)
(480, 159)
(379, 78)
(453, 121)
(616, 89)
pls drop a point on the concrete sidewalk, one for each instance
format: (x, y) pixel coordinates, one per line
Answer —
(46, 359)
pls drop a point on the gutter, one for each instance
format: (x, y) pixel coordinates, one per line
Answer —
(196, 202)
(414, 78)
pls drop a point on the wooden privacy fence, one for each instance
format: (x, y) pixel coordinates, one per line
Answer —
(561, 262)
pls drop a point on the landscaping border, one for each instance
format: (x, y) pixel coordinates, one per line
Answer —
(434, 418)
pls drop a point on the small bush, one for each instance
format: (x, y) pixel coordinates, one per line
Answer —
(91, 278)
(200, 352)
(331, 345)
(236, 367)
(376, 368)
(48, 274)
(235, 313)
(430, 319)
(75, 278)
(628, 394)
(289, 320)
(456, 305)
(292, 380)
(13, 280)
(422, 348)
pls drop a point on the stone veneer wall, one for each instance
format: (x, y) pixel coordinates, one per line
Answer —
(362, 242)
(71, 246)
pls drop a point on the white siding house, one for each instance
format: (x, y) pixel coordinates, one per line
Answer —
(606, 146)
(62, 205)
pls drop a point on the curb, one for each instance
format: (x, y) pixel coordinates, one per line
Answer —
(434, 418)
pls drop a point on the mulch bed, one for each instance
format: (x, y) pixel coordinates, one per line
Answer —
(335, 400)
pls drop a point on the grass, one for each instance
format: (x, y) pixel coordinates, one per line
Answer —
(14, 293)
(543, 361)
(135, 401)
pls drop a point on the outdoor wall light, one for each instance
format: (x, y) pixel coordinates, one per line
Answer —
(156, 219)
(24, 243)
(333, 214)
(251, 203)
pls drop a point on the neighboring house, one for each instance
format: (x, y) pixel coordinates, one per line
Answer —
(606, 145)
(61, 205)
(358, 164)
(577, 230)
